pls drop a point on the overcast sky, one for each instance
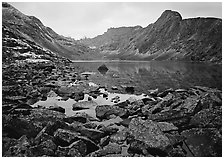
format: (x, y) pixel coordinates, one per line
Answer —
(90, 19)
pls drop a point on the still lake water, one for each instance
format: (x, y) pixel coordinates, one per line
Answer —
(157, 74)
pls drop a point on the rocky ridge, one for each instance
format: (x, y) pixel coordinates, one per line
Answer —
(169, 38)
(32, 29)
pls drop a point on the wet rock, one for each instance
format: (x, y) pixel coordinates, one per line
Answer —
(103, 69)
(114, 88)
(115, 99)
(104, 111)
(57, 108)
(130, 89)
(84, 105)
(206, 142)
(65, 137)
(149, 133)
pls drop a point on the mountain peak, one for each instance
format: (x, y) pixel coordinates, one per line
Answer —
(168, 15)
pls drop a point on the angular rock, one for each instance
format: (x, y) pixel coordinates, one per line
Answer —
(149, 133)
(104, 111)
(206, 142)
(207, 118)
(165, 126)
(21, 149)
(65, 137)
(77, 96)
(111, 148)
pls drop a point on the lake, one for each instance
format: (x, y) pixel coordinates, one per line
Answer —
(155, 74)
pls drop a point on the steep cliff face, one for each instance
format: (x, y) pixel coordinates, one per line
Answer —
(169, 38)
(32, 29)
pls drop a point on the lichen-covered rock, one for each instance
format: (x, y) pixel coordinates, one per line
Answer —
(148, 132)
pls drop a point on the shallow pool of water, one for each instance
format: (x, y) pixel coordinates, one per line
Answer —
(100, 100)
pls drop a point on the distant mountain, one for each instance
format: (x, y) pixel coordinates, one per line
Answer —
(169, 38)
(31, 29)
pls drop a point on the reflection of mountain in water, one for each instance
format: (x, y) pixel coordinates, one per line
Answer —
(162, 74)
(170, 74)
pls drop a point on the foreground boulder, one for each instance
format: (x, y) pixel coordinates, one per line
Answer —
(149, 133)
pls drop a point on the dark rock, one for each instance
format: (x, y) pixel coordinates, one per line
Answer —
(76, 149)
(14, 127)
(65, 137)
(84, 105)
(130, 89)
(104, 111)
(57, 108)
(115, 99)
(103, 69)
(114, 88)
(21, 149)
(108, 130)
(92, 134)
(77, 96)
(91, 146)
(104, 141)
(206, 142)
(90, 125)
(177, 152)
(46, 147)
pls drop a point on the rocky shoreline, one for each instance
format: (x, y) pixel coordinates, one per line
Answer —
(182, 122)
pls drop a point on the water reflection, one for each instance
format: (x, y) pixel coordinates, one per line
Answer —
(162, 74)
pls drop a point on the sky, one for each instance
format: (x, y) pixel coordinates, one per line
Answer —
(89, 19)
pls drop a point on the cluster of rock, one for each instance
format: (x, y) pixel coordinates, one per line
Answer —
(168, 123)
